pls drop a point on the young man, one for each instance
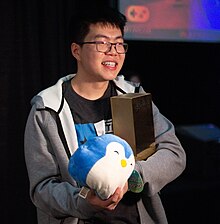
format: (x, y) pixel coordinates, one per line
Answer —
(76, 108)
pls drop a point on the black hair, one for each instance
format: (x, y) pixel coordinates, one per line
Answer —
(80, 22)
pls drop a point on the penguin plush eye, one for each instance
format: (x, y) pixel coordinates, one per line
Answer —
(101, 163)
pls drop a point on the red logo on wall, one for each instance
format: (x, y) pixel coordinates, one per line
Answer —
(137, 13)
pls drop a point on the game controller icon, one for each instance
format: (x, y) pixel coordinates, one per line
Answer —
(137, 13)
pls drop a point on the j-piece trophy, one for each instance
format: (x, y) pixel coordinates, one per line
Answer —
(132, 119)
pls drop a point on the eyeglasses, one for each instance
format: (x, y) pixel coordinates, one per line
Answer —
(105, 47)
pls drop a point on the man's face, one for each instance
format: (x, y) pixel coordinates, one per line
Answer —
(99, 66)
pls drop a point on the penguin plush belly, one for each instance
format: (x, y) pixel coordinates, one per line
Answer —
(103, 163)
(111, 171)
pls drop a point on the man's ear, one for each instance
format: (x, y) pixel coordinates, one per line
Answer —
(75, 49)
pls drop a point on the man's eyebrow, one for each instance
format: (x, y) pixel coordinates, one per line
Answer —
(107, 37)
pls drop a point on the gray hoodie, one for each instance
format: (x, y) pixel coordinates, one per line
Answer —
(52, 189)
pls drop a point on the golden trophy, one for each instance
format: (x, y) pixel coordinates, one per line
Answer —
(132, 119)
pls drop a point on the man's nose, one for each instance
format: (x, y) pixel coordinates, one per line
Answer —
(112, 49)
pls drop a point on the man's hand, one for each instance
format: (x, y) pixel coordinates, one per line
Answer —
(111, 202)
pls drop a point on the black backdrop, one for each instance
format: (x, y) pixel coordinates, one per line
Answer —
(183, 79)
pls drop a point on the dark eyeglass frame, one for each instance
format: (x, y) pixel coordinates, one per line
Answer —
(109, 44)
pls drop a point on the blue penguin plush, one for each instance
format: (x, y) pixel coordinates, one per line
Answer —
(102, 163)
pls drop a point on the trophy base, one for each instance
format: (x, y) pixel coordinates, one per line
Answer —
(144, 154)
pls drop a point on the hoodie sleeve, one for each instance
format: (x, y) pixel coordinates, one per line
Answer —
(169, 160)
(51, 188)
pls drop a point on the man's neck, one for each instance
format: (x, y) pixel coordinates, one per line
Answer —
(89, 90)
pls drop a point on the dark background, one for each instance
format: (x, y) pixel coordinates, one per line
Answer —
(182, 77)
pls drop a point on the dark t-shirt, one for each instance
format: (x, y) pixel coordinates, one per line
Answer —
(87, 115)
